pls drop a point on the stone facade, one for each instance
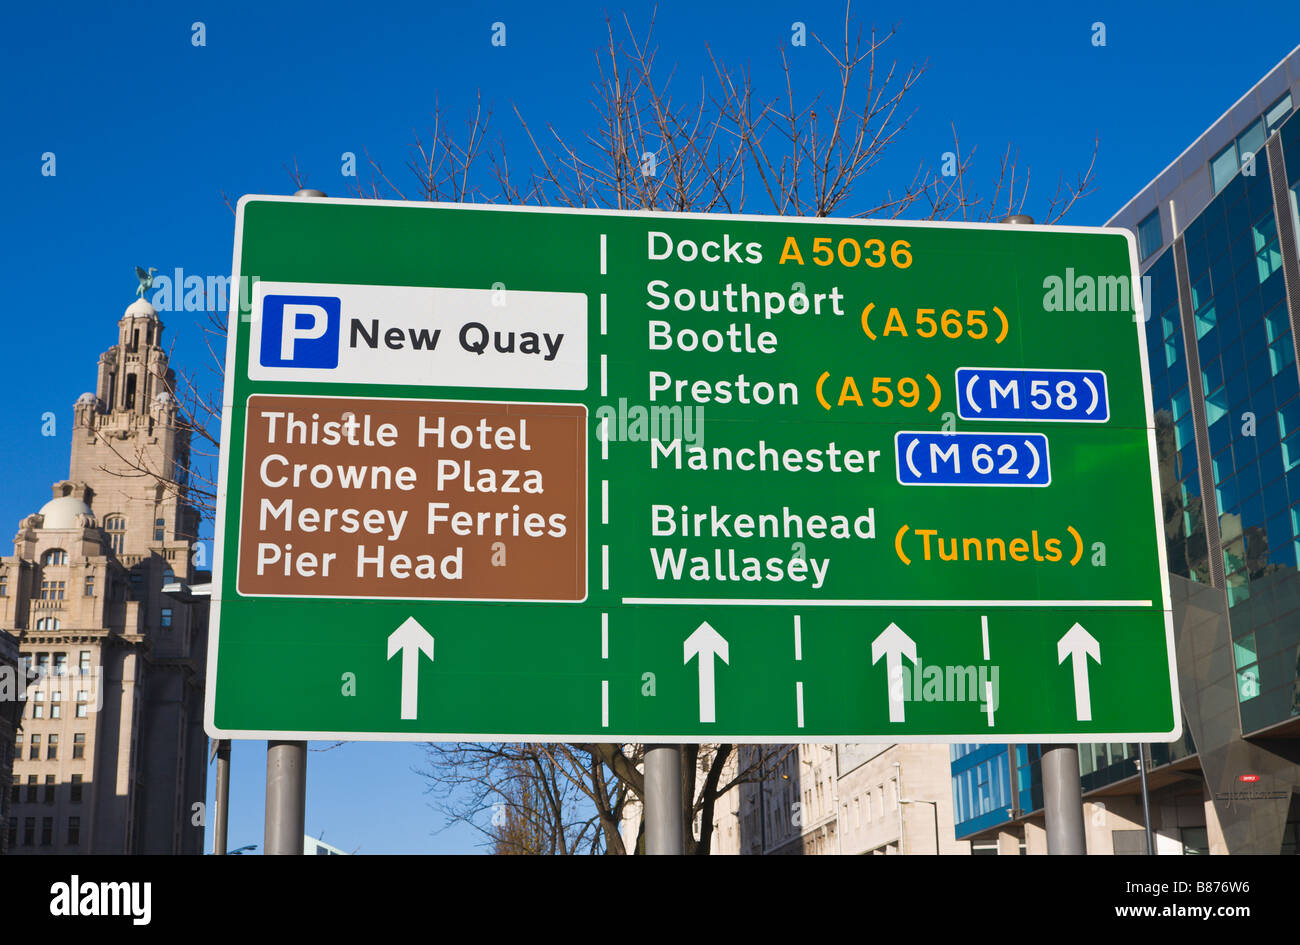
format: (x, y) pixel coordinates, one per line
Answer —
(111, 753)
(822, 799)
(10, 709)
(843, 799)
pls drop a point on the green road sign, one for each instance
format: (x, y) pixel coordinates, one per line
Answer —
(522, 474)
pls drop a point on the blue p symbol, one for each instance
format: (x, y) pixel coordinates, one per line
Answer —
(300, 331)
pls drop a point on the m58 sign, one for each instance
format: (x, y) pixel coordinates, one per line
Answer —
(522, 474)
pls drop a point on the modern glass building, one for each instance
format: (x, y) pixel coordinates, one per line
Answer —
(1217, 236)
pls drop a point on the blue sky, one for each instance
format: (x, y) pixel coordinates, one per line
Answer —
(149, 132)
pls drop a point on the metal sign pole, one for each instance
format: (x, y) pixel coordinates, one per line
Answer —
(286, 798)
(1062, 793)
(1063, 801)
(286, 772)
(663, 800)
(1146, 802)
(221, 822)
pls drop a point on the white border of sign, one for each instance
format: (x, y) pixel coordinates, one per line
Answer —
(613, 735)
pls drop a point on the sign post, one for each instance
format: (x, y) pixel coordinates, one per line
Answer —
(551, 475)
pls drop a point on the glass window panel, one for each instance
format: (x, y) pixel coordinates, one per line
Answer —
(1291, 453)
(1211, 375)
(1286, 385)
(1242, 252)
(1216, 407)
(1201, 294)
(1226, 493)
(1264, 231)
(1254, 338)
(1252, 139)
(1150, 238)
(1198, 259)
(1247, 683)
(1238, 389)
(1252, 509)
(1283, 555)
(1221, 466)
(1295, 203)
(1276, 112)
(1277, 324)
(1288, 418)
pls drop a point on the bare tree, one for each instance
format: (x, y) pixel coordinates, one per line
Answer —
(724, 145)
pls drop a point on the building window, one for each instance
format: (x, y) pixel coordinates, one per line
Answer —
(1150, 239)
(1223, 167)
(137, 582)
(52, 752)
(115, 526)
(1276, 113)
(29, 831)
(90, 585)
(74, 791)
(79, 745)
(169, 576)
(1228, 161)
(74, 831)
(38, 710)
(1244, 654)
(56, 707)
(15, 790)
(47, 831)
(4, 578)
(83, 662)
(166, 618)
(52, 590)
(13, 833)
(158, 527)
(33, 783)
(42, 665)
(1268, 256)
(82, 698)
(55, 556)
(60, 664)
(49, 789)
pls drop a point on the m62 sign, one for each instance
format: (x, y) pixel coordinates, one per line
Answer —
(524, 474)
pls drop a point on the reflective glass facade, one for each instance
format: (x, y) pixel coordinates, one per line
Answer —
(1235, 254)
(990, 783)
(1252, 397)
(1186, 543)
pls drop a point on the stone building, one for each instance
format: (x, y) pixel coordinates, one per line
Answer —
(829, 799)
(110, 757)
(823, 799)
(10, 707)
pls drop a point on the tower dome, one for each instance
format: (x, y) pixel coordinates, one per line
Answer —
(140, 309)
(63, 511)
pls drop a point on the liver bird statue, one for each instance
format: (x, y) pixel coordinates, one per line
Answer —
(146, 280)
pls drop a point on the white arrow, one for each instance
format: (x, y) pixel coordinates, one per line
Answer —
(706, 643)
(894, 644)
(410, 639)
(1079, 644)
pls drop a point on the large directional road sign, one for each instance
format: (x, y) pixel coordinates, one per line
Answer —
(526, 474)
